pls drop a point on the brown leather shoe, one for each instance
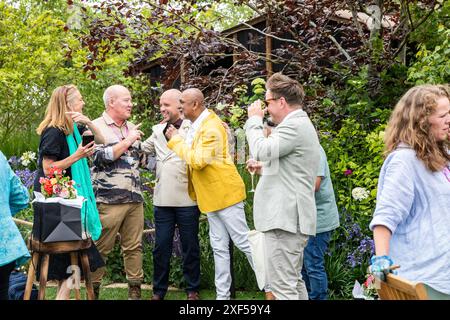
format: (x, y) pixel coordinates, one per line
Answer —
(192, 295)
(134, 290)
(156, 297)
(270, 296)
(96, 287)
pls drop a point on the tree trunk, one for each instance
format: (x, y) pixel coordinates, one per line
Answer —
(375, 9)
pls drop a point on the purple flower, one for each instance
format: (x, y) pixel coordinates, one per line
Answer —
(352, 260)
(365, 249)
(27, 177)
(14, 161)
(354, 232)
(348, 172)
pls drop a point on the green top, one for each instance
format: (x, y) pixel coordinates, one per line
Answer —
(327, 211)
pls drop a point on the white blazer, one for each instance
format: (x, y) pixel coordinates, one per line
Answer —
(171, 188)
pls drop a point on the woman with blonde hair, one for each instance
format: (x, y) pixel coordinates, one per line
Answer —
(61, 147)
(411, 223)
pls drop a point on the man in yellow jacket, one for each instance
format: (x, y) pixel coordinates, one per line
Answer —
(214, 182)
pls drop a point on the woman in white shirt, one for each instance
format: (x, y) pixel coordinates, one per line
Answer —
(411, 221)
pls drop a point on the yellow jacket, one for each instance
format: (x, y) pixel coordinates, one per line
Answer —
(213, 180)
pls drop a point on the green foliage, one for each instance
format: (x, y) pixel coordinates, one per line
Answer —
(27, 67)
(340, 276)
(427, 33)
(224, 14)
(237, 111)
(432, 66)
(37, 63)
(354, 149)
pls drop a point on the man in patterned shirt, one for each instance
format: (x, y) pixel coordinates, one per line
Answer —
(117, 187)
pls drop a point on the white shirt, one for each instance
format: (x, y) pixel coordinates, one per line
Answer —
(195, 126)
(414, 204)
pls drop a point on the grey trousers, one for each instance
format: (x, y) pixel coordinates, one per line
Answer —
(284, 252)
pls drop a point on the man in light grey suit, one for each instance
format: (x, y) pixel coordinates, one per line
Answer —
(284, 207)
(172, 204)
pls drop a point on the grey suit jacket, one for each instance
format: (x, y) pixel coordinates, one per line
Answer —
(171, 188)
(284, 197)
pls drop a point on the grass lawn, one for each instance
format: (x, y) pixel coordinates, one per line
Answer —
(122, 294)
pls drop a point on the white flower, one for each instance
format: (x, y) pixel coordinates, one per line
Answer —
(27, 157)
(359, 193)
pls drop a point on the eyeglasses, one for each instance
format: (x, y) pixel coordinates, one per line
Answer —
(267, 101)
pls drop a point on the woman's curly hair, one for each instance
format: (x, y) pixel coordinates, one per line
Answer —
(409, 124)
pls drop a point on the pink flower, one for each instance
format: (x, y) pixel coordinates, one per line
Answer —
(348, 172)
(56, 189)
(64, 193)
(369, 281)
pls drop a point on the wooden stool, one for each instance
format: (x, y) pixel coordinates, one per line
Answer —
(44, 250)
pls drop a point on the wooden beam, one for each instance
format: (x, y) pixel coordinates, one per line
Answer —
(235, 57)
(269, 67)
(182, 68)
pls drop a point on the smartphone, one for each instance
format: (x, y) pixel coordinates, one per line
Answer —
(87, 139)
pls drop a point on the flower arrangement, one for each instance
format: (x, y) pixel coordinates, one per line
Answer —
(366, 291)
(369, 287)
(58, 185)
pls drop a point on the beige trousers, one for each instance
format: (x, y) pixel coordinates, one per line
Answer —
(127, 219)
(284, 252)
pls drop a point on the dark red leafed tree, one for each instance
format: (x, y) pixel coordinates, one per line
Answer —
(328, 38)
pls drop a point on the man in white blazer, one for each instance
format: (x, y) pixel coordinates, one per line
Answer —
(172, 204)
(284, 207)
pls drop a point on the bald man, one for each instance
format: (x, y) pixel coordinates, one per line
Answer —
(117, 187)
(172, 204)
(214, 183)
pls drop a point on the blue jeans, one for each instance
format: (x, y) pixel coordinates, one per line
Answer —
(186, 218)
(313, 271)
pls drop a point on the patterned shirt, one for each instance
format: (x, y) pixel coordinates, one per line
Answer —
(116, 181)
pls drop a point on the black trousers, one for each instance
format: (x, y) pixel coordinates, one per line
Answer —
(5, 271)
(187, 219)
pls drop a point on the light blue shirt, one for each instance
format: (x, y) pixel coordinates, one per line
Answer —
(13, 198)
(414, 204)
(327, 211)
